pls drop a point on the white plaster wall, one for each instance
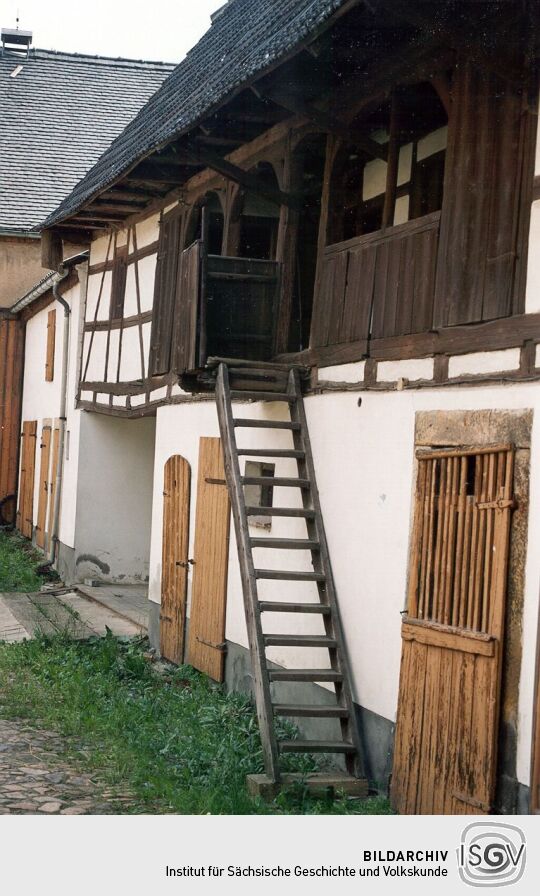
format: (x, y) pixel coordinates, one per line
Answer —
(98, 306)
(147, 231)
(41, 399)
(114, 498)
(484, 362)
(364, 459)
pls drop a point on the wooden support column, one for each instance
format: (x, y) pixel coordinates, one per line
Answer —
(287, 249)
(392, 169)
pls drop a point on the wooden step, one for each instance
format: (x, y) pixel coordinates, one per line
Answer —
(315, 746)
(278, 606)
(270, 452)
(264, 424)
(313, 712)
(254, 395)
(304, 675)
(282, 481)
(300, 641)
(285, 544)
(281, 511)
(289, 575)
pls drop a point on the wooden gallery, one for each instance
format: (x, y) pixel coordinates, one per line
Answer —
(309, 301)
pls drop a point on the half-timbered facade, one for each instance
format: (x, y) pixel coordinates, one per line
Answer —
(349, 192)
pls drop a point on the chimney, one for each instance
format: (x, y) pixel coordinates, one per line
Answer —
(16, 41)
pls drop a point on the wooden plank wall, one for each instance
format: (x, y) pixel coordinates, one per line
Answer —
(44, 485)
(11, 373)
(25, 513)
(379, 285)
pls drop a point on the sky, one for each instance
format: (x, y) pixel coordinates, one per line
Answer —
(157, 29)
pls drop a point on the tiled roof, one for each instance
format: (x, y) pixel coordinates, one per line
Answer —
(246, 38)
(57, 116)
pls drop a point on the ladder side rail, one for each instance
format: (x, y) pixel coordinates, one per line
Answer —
(249, 583)
(327, 591)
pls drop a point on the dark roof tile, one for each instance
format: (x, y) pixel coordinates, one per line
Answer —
(57, 116)
(246, 38)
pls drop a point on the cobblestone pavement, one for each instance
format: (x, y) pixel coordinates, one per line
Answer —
(36, 778)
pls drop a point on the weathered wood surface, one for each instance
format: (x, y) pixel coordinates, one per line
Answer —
(377, 286)
(447, 725)
(44, 485)
(206, 650)
(51, 342)
(25, 513)
(11, 370)
(174, 576)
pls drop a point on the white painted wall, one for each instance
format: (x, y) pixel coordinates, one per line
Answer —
(41, 399)
(364, 459)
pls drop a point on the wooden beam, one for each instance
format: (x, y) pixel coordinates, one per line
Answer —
(128, 207)
(51, 249)
(246, 179)
(328, 123)
(127, 195)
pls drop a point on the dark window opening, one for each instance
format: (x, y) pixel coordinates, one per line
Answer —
(368, 194)
(214, 215)
(259, 494)
(309, 165)
(260, 218)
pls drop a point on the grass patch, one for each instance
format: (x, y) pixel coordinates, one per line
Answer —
(19, 563)
(177, 741)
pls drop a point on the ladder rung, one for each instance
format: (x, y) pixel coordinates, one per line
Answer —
(304, 675)
(262, 396)
(274, 481)
(281, 511)
(270, 452)
(322, 712)
(289, 575)
(315, 746)
(299, 641)
(285, 544)
(278, 606)
(265, 424)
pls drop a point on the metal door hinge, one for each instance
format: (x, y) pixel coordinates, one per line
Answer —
(498, 504)
(185, 563)
(211, 481)
(221, 647)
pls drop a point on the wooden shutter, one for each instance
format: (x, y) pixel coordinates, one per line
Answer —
(44, 486)
(487, 194)
(25, 514)
(186, 309)
(51, 340)
(54, 471)
(448, 709)
(11, 364)
(174, 577)
(118, 284)
(164, 294)
(209, 594)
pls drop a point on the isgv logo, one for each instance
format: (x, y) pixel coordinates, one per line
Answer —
(491, 855)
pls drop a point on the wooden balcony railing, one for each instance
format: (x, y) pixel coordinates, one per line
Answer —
(378, 285)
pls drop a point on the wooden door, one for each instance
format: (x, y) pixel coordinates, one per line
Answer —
(211, 557)
(447, 721)
(11, 365)
(176, 500)
(52, 491)
(25, 514)
(44, 486)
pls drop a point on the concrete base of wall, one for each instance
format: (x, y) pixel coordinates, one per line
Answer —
(153, 624)
(65, 564)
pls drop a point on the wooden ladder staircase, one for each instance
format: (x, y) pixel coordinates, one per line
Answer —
(337, 672)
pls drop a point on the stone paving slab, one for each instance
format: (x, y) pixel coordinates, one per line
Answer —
(27, 615)
(36, 777)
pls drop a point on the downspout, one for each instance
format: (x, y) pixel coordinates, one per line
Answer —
(63, 273)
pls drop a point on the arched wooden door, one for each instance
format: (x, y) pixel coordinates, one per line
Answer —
(176, 496)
